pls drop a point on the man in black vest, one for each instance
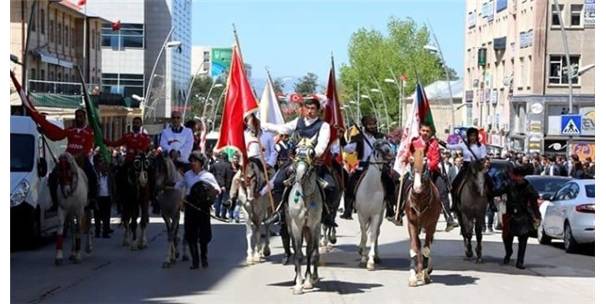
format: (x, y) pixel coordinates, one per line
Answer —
(362, 143)
(309, 126)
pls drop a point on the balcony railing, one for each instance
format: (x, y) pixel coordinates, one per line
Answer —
(58, 87)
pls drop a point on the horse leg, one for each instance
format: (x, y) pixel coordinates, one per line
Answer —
(133, 229)
(315, 260)
(309, 246)
(258, 246)
(249, 242)
(414, 252)
(88, 215)
(59, 237)
(124, 224)
(266, 249)
(363, 238)
(170, 236)
(143, 225)
(478, 228)
(297, 238)
(77, 229)
(427, 266)
(466, 231)
(374, 236)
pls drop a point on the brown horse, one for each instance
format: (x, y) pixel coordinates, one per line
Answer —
(422, 209)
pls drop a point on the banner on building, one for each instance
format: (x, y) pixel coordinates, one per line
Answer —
(555, 146)
(587, 121)
(589, 21)
(221, 60)
(583, 150)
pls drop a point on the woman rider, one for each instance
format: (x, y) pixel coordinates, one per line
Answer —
(473, 150)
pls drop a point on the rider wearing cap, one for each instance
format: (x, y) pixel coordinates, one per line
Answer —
(177, 141)
(79, 144)
(310, 126)
(472, 150)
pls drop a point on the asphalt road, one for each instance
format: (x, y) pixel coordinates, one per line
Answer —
(114, 274)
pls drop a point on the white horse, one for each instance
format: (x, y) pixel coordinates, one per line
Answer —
(72, 197)
(370, 203)
(304, 216)
(256, 211)
(169, 201)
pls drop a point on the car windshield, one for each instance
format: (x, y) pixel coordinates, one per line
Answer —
(590, 189)
(22, 152)
(547, 185)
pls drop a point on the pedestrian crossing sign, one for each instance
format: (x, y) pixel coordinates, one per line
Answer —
(571, 125)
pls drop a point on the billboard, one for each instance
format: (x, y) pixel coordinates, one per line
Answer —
(220, 60)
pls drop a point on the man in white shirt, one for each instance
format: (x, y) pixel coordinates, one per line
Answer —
(177, 141)
(309, 126)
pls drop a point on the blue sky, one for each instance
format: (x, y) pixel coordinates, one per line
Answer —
(293, 37)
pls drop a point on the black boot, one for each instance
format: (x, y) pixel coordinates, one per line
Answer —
(508, 242)
(195, 255)
(522, 241)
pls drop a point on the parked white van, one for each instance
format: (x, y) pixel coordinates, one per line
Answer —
(32, 159)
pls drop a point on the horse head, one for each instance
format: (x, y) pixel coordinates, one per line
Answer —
(382, 150)
(165, 172)
(303, 160)
(141, 166)
(418, 170)
(68, 174)
(252, 178)
(476, 173)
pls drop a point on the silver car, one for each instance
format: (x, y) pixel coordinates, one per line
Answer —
(570, 215)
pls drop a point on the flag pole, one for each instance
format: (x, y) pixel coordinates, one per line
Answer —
(265, 175)
(333, 76)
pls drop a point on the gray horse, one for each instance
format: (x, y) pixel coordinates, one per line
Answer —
(169, 201)
(304, 215)
(472, 207)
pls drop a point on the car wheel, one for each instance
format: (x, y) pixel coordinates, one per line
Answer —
(542, 237)
(570, 245)
(34, 234)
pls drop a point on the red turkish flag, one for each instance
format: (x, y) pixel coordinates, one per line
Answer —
(116, 26)
(332, 111)
(239, 102)
(81, 2)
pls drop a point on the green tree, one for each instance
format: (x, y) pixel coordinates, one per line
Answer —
(202, 86)
(307, 84)
(278, 84)
(374, 57)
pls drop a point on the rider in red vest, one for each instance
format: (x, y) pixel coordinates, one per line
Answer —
(135, 141)
(79, 144)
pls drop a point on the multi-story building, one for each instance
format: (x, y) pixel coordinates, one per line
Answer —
(173, 72)
(122, 45)
(61, 36)
(201, 61)
(515, 71)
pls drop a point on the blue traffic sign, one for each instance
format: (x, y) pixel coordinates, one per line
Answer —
(571, 125)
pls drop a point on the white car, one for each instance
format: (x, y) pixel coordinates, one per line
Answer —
(570, 215)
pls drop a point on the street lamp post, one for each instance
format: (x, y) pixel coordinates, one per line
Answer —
(377, 90)
(439, 51)
(164, 45)
(374, 108)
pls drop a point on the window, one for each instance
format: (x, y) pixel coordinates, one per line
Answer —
(129, 35)
(59, 33)
(51, 31)
(42, 74)
(73, 38)
(590, 190)
(22, 152)
(66, 35)
(32, 74)
(563, 193)
(42, 20)
(51, 76)
(576, 11)
(557, 69)
(555, 21)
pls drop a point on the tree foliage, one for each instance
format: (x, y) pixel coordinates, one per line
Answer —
(374, 57)
(278, 84)
(307, 84)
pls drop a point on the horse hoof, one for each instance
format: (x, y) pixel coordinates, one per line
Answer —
(177, 254)
(133, 247)
(266, 252)
(185, 258)
(479, 261)
(249, 261)
(285, 260)
(142, 246)
(370, 266)
(412, 283)
(257, 259)
(58, 262)
(378, 260)
(430, 270)
(308, 285)
(297, 291)
(89, 249)
(165, 265)
(323, 250)
(468, 254)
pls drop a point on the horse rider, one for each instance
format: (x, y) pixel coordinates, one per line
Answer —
(362, 144)
(431, 147)
(521, 216)
(177, 141)
(197, 216)
(79, 144)
(136, 141)
(310, 126)
(473, 150)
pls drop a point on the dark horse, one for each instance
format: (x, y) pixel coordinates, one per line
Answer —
(423, 208)
(473, 202)
(134, 185)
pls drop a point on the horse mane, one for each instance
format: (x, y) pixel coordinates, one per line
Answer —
(171, 170)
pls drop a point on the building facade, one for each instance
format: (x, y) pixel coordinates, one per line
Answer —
(515, 75)
(171, 77)
(201, 61)
(122, 45)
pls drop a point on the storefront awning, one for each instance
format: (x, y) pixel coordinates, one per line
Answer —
(56, 100)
